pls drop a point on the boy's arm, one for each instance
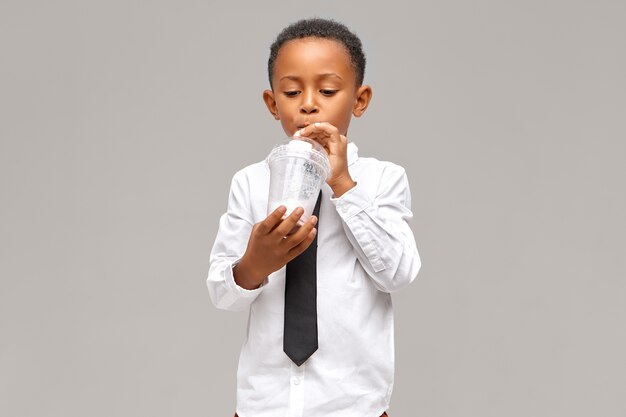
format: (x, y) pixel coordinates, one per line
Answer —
(230, 244)
(245, 254)
(379, 230)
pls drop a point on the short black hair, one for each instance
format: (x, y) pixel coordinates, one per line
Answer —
(321, 28)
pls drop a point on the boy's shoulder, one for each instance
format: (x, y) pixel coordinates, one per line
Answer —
(252, 178)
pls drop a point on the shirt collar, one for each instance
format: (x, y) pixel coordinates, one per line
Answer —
(353, 153)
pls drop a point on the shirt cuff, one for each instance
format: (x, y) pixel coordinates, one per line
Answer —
(236, 289)
(352, 202)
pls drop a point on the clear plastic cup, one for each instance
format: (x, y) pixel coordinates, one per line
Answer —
(298, 168)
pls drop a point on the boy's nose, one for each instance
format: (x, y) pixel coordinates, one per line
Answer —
(308, 104)
(308, 108)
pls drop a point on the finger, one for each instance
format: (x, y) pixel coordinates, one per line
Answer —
(328, 136)
(324, 126)
(300, 234)
(293, 230)
(321, 137)
(319, 129)
(301, 247)
(287, 224)
(274, 218)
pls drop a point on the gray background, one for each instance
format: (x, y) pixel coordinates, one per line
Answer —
(122, 123)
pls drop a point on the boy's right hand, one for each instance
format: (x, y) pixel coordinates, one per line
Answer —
(271, 246)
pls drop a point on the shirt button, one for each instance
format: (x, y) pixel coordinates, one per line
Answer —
(296, 381)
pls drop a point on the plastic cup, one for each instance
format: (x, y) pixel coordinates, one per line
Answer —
(298, 168)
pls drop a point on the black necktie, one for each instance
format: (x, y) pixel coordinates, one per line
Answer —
(300, 332)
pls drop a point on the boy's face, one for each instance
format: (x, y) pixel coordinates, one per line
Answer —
(314, 81)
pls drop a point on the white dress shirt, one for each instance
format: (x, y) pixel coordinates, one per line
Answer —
(366, 250)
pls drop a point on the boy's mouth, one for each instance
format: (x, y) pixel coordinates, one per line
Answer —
(302, 126)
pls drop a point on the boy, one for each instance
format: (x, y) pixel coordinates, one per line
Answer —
(364, 248)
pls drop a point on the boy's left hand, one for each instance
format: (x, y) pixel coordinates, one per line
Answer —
(336, 146)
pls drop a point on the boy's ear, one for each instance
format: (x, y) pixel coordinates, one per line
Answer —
(270, 102)
(362, 99)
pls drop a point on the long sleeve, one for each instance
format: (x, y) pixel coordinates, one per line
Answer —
(230, 244)
(378, 228)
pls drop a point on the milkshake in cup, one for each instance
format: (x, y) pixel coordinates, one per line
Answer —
(298, 168)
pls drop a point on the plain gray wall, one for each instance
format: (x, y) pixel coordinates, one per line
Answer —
(122, 123)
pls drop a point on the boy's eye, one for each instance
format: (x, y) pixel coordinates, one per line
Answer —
(328, 92)
(291, 93)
